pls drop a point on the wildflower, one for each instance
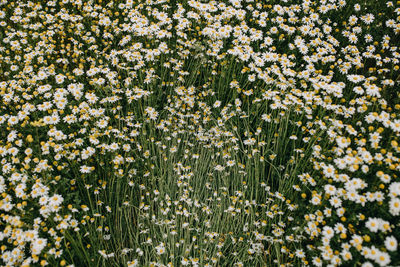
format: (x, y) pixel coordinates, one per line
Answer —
(300, 253)
(37, 245)
(391, 243)
(160, 249)
(185, 262)
(383, 259)
(85, 169)
(373, 224)
(133, 263)
(394, 206)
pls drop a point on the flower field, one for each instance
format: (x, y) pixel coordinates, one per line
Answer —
(199, 133)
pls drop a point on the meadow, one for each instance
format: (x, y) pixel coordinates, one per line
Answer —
(199, 133)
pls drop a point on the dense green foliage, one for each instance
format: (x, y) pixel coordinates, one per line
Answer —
(199, 133)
